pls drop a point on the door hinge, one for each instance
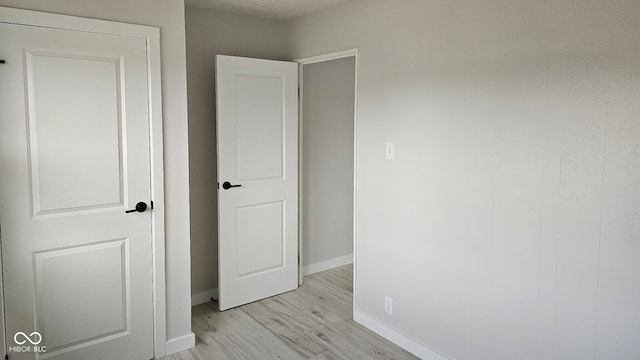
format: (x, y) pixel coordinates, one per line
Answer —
(298, 91)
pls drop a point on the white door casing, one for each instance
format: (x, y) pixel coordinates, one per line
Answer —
(75, 119)
(257, 137)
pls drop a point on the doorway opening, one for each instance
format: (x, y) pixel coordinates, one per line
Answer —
(327, 133)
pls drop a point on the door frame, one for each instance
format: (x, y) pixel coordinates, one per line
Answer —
(152, 37)
(314, 60)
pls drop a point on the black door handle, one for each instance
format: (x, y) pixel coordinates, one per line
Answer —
(227, 185)
(140, 207)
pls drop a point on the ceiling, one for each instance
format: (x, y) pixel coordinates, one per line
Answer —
(278, 10)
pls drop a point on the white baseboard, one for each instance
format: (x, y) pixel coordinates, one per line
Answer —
(204, 297)
(327, 264)
(181, 343)
(397, 337)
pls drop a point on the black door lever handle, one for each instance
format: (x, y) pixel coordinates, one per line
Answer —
(227, 185)
(140, 207)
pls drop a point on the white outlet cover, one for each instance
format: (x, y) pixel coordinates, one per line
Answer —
(390, 152)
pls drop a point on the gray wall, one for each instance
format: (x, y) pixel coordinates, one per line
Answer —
(328, 105)
(208, 34)
(168, 15)
(508, 226)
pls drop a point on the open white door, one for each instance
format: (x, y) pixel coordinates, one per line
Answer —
(74, 155)
(257, 130)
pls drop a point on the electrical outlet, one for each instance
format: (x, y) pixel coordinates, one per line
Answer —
(390, 151)
(388, 305)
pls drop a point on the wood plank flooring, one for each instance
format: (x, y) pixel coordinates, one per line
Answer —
(313, 322)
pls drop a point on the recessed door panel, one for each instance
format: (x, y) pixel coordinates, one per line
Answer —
(75, 121)
(260, 231)
(88, 282)
(259, 127)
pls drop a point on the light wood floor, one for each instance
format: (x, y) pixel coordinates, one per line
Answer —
(313, 322)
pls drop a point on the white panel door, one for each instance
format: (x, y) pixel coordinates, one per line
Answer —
(257, 127)
(74, 155)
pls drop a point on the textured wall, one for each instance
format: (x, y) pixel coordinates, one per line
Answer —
(508, 227)
(210, 33)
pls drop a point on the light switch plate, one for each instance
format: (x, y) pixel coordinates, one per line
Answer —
(390, 152)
